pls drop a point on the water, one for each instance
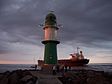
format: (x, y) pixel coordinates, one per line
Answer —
(106, 67)
(11, 67)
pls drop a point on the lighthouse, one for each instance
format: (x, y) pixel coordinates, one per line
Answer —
(50, 39)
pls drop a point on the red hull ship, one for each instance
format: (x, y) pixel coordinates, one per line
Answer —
(75, 60)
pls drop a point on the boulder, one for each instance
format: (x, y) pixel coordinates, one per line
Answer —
(4, 80)
(13, 78)
(26, 78)
(1, 76)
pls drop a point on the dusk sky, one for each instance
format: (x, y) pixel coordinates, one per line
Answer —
(85, 23)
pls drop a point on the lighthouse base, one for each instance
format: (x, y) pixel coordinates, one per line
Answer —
(50, 53)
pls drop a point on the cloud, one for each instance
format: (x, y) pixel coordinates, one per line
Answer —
(86, 23)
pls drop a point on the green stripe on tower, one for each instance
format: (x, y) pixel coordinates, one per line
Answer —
(50, 53)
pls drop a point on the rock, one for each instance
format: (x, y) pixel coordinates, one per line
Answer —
(13, 78)
(6, 73)
(90, 74)
(4, 80)
(26, 78)
(26, 73)
(86, 77)
(94, 81)
(33, 79)
(30, 82)
(1, 76)
(95, 77)
(19, 73)
(70, 77)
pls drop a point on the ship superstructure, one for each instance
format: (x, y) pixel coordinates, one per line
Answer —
(77, 59)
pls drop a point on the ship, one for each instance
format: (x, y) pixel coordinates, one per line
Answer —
(76, 59)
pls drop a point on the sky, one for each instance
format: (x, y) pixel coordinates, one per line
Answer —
(84, 23)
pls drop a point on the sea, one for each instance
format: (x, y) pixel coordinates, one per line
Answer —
(106, 67)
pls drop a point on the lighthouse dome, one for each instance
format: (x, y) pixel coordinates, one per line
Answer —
(50, 19)
(51, 16)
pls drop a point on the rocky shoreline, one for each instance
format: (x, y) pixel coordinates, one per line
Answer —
(69, 77)
(86, 77)
(17, 77)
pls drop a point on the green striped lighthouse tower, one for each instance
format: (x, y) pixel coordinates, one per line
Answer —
(50, 39)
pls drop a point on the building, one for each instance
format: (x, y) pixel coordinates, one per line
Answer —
(50, 39)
